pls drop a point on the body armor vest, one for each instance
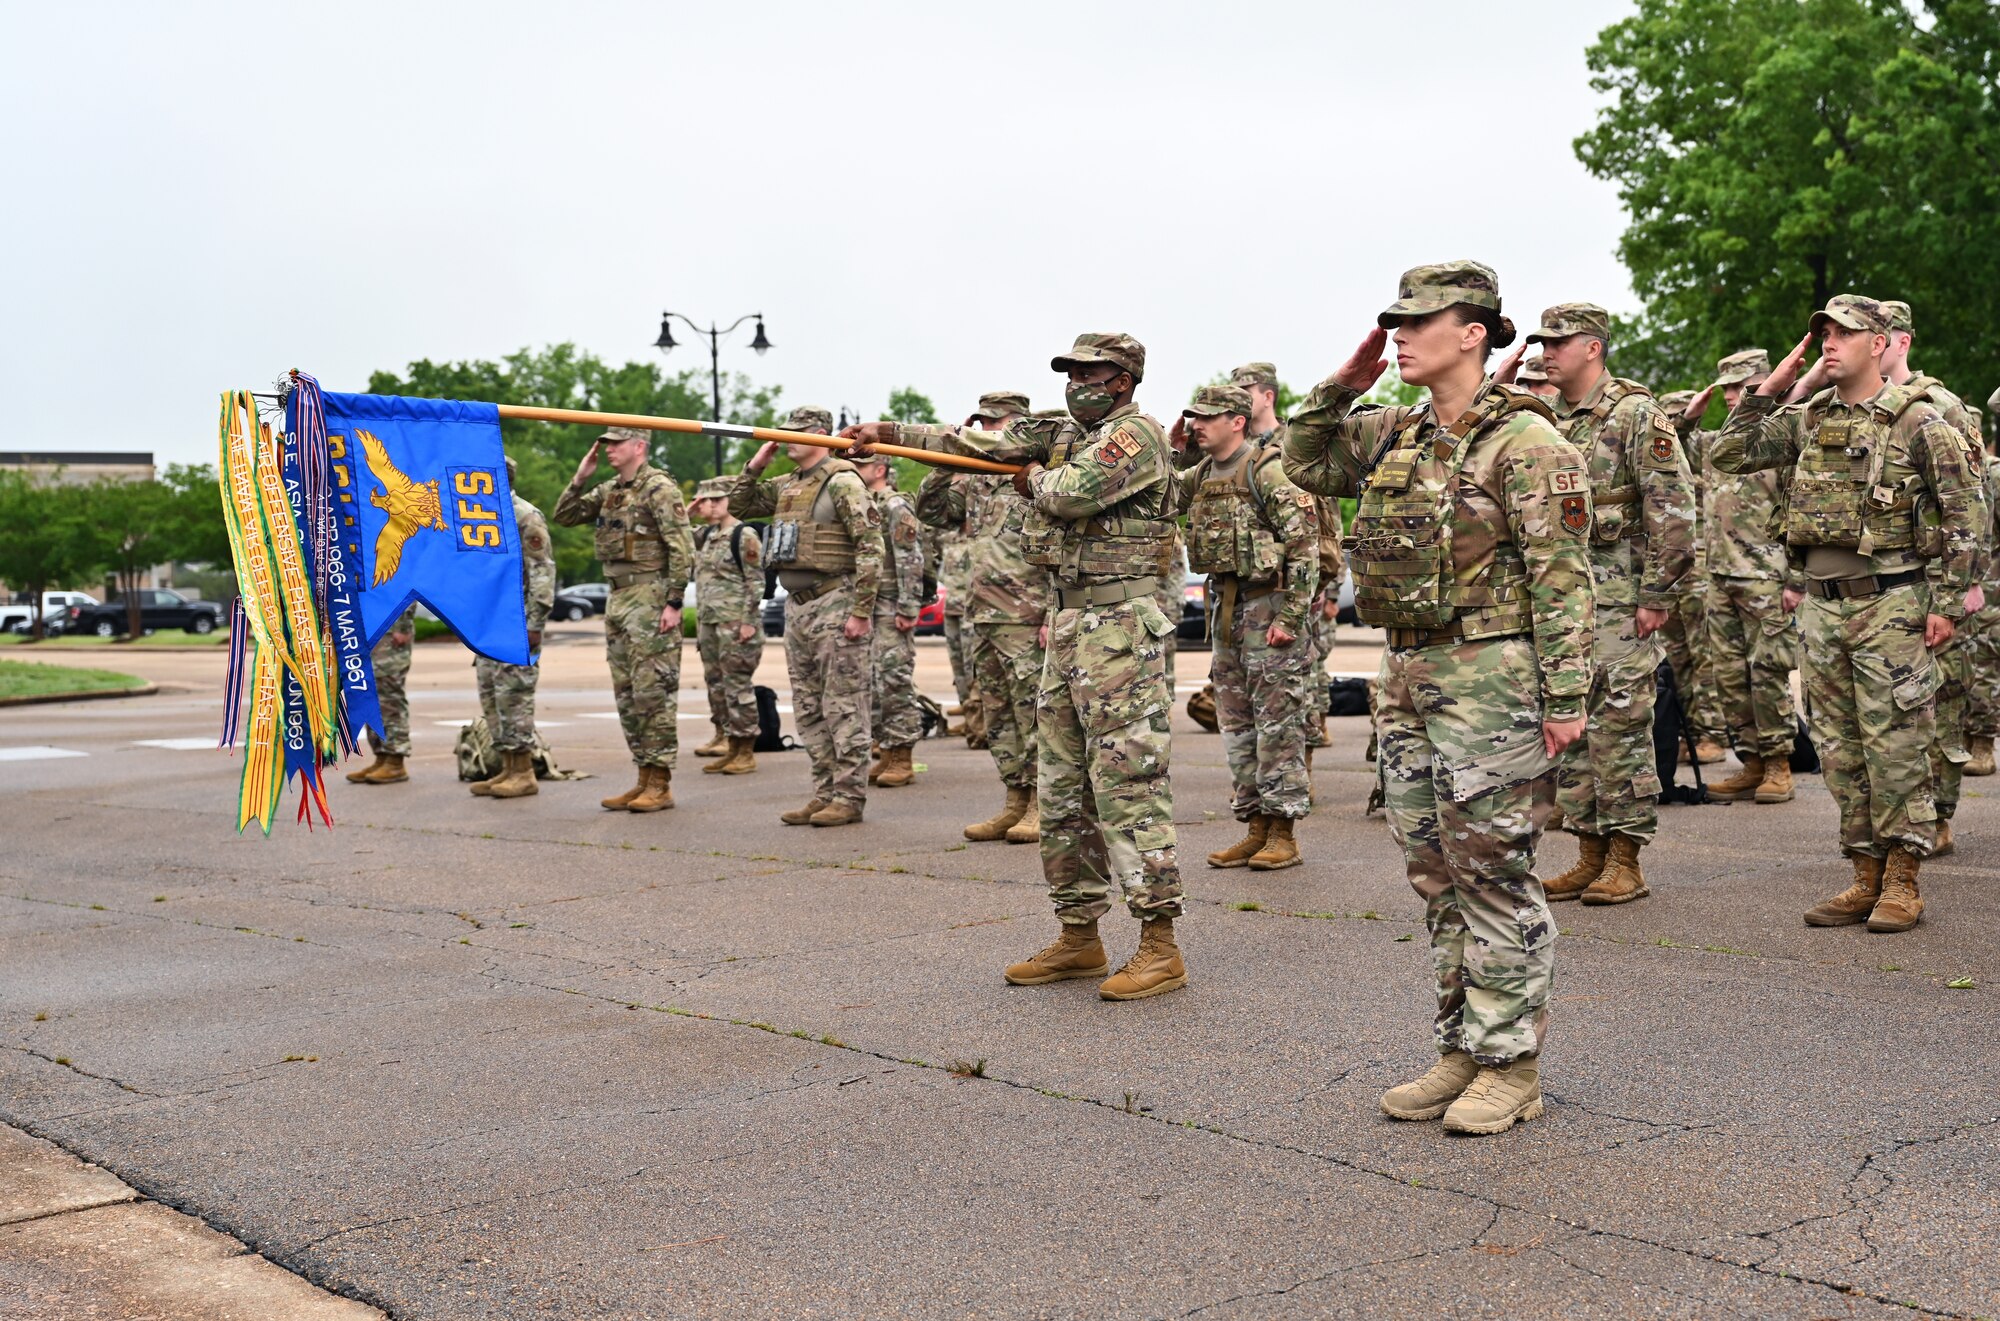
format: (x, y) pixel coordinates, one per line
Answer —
(807, 535)
(1400, 546)
(1227, 532)
(1851, 492)
(628, 538)
(1615, 509)
(1126, 540)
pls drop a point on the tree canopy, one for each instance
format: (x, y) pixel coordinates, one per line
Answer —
(1772, 153)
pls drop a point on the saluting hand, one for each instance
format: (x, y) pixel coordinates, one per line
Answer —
(1365, 367)
(1810, 383)
(1177, 435)
(1785, 373)
(1511, 364)
(1698, 405)
(588, 467)
(761, 460)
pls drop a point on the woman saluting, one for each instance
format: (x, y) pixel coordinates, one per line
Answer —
(1468, 548)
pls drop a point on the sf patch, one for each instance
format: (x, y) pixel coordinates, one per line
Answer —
(1122, 445)
(1571, 491)
(1663, 445)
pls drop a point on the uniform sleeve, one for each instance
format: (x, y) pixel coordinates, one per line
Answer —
(670, 515)
(1126, 460)
(1294, 520)
(1666, 491)
(1940, 452)
(538, 568)
(751, 498)
(753, 577)
(902, 529)
(862, 518)
(1759, 434)
(1328, 446)
(1011, 444)
(1548, 511)
(579, 505)
(941, 499)
(1181, 486)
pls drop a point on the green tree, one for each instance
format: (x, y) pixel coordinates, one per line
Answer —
(130, 529)
(560, 376)
(911, 406)
(1772, 153)
(44, 545)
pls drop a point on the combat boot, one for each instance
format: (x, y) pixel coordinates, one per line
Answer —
(1855, 902)
(361, 776)
(802, 816)
(896, 768)
(1201, 708)
(1743, 786)
(624, 800)
(742, 760)
(1707, 751)
(1280, 849)
(389, 770)
(1591, 852)
(1776, 786)
(1621, 881)
(1077, 952)
(880, 764)
(517, 775)
(1944, 845)
(1236, 855)
(657, 796)
(1498, 1098)
(1154, 968)
(715, 747)
(838, 814)
(484, 788)
(1028, 830)
(1981, 748)
(995, 827)
(1429, 1096)
(1899, 907)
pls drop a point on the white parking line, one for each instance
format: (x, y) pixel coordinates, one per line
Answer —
(42, 753)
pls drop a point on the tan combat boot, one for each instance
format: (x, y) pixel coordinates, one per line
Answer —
(1944, 845)
(802, 816)
(723, 757)
(484, 788)
(1855, 902)
(1280, 849)
(1429, 1096)
(837, 814)
(1621, 881)
(1497, 1099)
(715, 747)
(1777, 783)
(658, 796)
(1981, 748)
(1154, 968)
(896, 768)
(995, 827)
(1591, 852)
(1900, 907)
(1240, 853)
(517, 779)
(1028, 830)
(361, 776)
(1201, 708)
(1742, 786)
(624, 800)
(1707, 751)
(1077, 952)
(742, 759)
(389, 770)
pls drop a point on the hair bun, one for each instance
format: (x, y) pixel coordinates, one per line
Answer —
(1506, 335)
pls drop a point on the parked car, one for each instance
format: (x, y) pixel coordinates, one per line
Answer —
(572, 605)
(157, 609)
(774, 612)
(1194, 608)
(595, 594)
(930, 619)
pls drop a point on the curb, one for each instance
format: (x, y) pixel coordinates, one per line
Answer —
(88, 695)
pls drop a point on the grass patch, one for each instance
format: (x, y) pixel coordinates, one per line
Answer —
(1247, 906)
(27, 679)
(968, 1068)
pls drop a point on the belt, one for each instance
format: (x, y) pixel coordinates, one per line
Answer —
(1403, 639)
(1233, 592)
(1850, 589)
(817, 590)
(623, 580)
(1126, 589)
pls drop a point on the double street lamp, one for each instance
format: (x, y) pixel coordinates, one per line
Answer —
(665, 344)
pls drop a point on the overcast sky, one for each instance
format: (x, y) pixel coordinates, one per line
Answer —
(200, 195)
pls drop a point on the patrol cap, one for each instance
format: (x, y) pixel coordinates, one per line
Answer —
(1215, 400)
(1993, 401)
(808, 417)
(1676, 401)
(996, 404)
(616, 434)
(1049, 414)
(1743, 368)
(1854, 311)
(1566, 319)
(1121, 351)
(712, 488)
(1427, 289)
(1899, 316)
(510, 469)
(1531, 369)
(1261, 374)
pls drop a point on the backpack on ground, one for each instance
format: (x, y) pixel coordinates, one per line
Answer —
(770, 732)
(1670, 730)
(478, 759)
(936, 722)
(1347, 697)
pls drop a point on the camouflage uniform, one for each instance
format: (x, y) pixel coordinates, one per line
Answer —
(1856, 523)
(896, 720)
(1490, 635)
(642, 540)
(1256, 536)
(1982, 630)
(1685, 633)
(831, 578)
(507, 692)
(954, 579)
(1169, 594)
(729, 593)
(1099, 523)
(392, 677)
(1641, 549)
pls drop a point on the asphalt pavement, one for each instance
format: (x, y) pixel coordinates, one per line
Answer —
(459, 1058)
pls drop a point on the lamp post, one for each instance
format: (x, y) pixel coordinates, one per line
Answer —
(665, 344)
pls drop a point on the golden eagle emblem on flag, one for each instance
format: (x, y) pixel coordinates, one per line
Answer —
(411, 506)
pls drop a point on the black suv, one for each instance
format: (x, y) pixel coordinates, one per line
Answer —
(157, 609)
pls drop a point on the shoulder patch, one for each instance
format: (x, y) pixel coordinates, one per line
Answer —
(1118, 447)
(1663, 444)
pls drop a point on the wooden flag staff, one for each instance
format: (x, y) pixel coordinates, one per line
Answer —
(732, 431)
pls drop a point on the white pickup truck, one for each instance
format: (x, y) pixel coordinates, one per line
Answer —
(20, 618)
